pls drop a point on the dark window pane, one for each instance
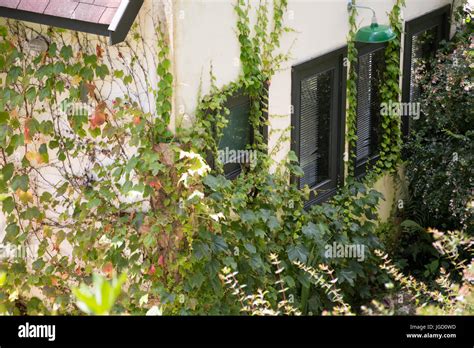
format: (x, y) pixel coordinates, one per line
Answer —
(237, 134)
(316, 109)
(370, 74)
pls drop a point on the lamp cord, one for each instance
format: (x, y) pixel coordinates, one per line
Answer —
(351, 5)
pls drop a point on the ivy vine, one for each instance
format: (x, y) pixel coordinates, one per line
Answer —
(96, 186)
(351, 114)
(259, 63)
(391, 142)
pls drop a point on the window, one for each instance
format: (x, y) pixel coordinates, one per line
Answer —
(237, 135)
(370, 69)
(234, 149)
(318, 98)
(422, 39)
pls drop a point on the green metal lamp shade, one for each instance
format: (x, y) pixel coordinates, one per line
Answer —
(375, 34)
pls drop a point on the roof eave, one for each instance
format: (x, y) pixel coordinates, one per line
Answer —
(55, 21)
(117, 32)
(123, 20)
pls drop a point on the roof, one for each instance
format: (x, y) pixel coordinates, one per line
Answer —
(112, 18)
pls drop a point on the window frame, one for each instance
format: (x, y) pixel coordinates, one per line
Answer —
(440, 17)
(361, 169)
(332, 60)
(232, 101)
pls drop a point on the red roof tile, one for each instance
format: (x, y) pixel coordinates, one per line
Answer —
(94, 11)
(88, 13)
(33, 5)
(107, 16)
(9, 3)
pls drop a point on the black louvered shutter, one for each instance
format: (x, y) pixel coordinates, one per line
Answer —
(364, 96)
(370, 73)
(315, 117)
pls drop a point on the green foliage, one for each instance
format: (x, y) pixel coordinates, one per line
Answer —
(257, 304)
(259, 63)
(251, 219)
(349, 219)
(441, 297)
(146, 202)
(136, 211)
(440, 150)
(101, 298)
(351, 113)
(211, 115)
(414, 251)
(163, 95)
(121, 194)
(259, 215)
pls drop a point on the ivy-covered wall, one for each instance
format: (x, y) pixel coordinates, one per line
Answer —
(171, 229)
(202, 34)
(122, 56)
(318, 27)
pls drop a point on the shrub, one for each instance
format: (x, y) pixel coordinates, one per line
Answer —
(452, 292)
(274, 221)
(441, 148)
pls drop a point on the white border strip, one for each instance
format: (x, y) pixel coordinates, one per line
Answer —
(118, 15)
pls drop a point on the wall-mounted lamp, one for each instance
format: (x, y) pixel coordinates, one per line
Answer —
(38, 45)
(373, 33)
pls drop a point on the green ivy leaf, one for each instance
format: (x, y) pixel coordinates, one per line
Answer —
(7, 171)
(20, 182)
(298, 253)
(273, 223)
(102, 71)
(32, 213)
(8, 205)
(43, 151)
(250, 248)
(218, 244)
(201, 250)
(346, 276)
(3, 275)
(38, 265)
(12, 232)
(4, 117)
(149, 240)
(13, 74)
(66, 52)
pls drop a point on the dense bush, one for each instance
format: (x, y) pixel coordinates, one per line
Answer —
(252, 226)
(403, 294)
(441, 148)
